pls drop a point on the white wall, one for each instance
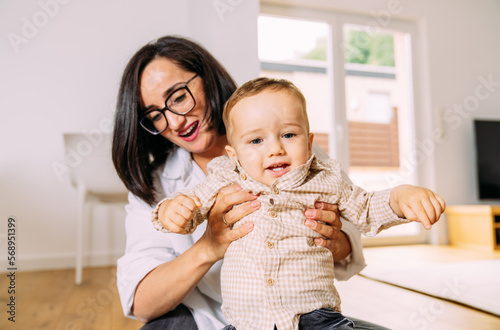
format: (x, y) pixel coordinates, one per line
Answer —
(63, 76)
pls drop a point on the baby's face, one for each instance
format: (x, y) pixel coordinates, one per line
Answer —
(269, 135)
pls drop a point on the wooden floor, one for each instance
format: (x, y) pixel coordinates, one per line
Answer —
(51, 300)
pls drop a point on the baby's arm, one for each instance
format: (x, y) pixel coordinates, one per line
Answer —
(182, 212)
(175, 214)
(417, 204)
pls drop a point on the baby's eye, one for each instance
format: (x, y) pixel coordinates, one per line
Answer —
(289, 135)
(256, 141)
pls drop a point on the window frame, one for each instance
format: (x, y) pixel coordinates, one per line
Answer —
(419, 94)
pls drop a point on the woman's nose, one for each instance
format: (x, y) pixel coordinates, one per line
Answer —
(175, 122)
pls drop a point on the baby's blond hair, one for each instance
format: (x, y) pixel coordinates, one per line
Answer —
(256, 86)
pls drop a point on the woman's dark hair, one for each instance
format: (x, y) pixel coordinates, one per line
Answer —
(137, 153)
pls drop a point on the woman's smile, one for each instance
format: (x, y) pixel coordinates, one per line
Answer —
(191, 132)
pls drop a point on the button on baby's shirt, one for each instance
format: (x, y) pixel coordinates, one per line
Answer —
(276, 190)
(273, 214)
(270, 282)
(243, 176)
(270, 245)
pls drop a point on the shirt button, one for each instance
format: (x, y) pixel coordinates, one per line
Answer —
(270, 281)
(243, 176)
(273, 214)
(276, 190)
(270, 245)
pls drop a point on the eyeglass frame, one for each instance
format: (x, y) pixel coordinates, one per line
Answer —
(162, 111)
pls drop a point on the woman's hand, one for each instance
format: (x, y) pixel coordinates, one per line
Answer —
(218, 234)
(335, 240)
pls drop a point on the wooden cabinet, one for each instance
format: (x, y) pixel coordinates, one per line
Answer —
(474, 226)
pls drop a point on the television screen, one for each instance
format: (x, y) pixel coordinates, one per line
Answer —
(487, 134)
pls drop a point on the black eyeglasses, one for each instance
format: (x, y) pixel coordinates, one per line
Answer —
(180, 101)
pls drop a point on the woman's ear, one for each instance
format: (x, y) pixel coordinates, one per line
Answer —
(231, 153)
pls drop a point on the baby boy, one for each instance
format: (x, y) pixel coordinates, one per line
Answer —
(276, 275)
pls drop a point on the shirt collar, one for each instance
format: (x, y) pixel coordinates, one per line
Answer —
(178, 165)
(288, 181)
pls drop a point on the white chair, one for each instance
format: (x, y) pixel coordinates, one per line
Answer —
(88, 157)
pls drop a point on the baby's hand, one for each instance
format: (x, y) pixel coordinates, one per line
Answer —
(176, 213)
(417, 204)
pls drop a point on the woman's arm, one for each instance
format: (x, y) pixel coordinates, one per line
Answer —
(164, 288)
(167, 285)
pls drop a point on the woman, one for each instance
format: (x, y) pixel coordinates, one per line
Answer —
(168, 278)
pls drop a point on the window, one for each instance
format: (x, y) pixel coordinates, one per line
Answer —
(359, 94)
(296, 50)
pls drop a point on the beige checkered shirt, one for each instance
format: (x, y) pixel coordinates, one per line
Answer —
(276, 272)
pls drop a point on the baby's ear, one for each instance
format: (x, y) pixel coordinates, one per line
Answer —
(231, 153)
(310, 143)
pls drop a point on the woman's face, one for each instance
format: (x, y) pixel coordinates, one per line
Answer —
(190, 131)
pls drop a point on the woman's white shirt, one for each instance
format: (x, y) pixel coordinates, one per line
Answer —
(147, 248)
